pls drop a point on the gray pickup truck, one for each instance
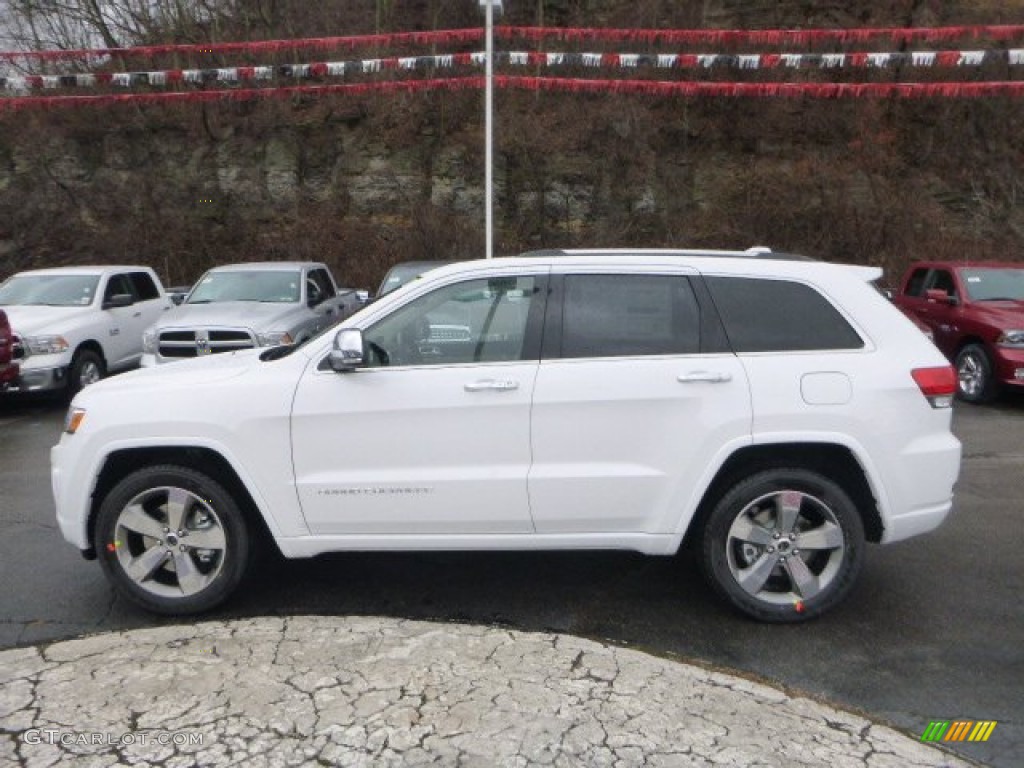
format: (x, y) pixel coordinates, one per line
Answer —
(242, 306)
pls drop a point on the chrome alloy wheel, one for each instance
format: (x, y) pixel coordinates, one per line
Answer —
(89, 373)
(170, 542)
(784, 547)
(971, 373)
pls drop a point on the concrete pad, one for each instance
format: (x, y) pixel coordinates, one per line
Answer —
(385, 692)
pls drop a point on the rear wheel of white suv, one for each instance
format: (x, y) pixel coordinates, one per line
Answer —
(783, 545)
(172, 540)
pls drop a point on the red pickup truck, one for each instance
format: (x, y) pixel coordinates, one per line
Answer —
(8, 366)
(975, 310)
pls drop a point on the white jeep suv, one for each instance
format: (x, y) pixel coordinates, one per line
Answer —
(777, 413)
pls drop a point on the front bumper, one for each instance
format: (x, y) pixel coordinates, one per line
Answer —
(1009, 364)
(9, 373)
(49, 379)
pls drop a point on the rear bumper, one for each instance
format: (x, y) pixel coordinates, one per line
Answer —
(917, 521)
(921, 479)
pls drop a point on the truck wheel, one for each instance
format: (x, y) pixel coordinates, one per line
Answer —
(784, 545)
(86, 368)
(974, 379)
(172, 540)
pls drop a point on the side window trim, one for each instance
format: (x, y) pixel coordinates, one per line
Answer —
(713, 338)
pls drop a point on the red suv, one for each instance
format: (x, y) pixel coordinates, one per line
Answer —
(8, 366)
(976, 313)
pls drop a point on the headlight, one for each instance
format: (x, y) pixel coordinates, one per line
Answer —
(45, 345)
(274, 339)
(1013, 339)
(149, 342)
(74, 420)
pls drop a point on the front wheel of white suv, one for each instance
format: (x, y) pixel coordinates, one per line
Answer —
(172, 540)
(783, 545)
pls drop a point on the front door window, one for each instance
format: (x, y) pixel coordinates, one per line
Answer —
(477, 321)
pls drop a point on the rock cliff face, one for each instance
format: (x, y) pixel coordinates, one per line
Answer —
(364, 182)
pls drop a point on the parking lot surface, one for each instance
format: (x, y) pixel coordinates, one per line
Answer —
(932, 630)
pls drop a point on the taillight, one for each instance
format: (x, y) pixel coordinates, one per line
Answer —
(937, 384)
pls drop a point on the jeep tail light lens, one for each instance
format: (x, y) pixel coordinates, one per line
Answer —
(937, 384)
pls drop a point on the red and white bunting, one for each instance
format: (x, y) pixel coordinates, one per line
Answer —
(550, 59)
(716, 37)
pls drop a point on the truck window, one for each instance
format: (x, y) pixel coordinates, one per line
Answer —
(145, 288)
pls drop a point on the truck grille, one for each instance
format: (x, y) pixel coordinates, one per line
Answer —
(178, 344)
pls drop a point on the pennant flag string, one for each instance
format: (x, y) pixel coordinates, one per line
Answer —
(653, 88)
(895, 35)
(317, 70)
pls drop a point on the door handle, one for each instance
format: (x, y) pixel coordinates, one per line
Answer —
(713, 377)
(493, 385)
(137, 314)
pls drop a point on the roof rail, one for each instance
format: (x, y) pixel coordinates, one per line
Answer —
(755, 252)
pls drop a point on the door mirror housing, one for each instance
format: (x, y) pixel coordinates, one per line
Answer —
(118, 300)
(347, 352)
(940, 296)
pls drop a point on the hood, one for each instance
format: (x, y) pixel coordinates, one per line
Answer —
(31, 320)
(257, 316)
(186, 374)
(1006, 315)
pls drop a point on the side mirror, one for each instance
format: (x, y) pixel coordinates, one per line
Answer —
(347, 353)
(940, 296)
(118, 300)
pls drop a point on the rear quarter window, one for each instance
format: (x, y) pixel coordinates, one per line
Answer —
(762, 315)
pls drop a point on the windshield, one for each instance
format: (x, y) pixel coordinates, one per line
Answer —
(49, 290)
(994, 284)
(271, 285)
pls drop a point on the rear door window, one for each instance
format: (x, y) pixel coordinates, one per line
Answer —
(626, 315)
(762, 315)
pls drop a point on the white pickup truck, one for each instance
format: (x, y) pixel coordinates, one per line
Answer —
(242, 306)
(73, 325)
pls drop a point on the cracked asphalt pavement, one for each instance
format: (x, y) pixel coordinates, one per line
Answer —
(390, 692)
(931, 632)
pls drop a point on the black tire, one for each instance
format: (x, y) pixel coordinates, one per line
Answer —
(783, 545)
(174, 574)
(87, 367)
(974, 380)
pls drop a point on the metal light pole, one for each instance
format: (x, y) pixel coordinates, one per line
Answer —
(489, 6)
